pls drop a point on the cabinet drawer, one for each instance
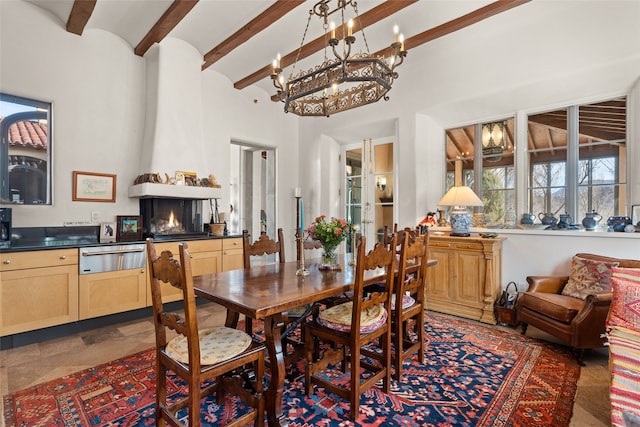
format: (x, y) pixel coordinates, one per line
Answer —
(194, 246)
(204, 245)
(228, 244)
(473, 246)
(37, 259)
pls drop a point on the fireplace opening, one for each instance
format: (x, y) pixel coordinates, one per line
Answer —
(171, 217)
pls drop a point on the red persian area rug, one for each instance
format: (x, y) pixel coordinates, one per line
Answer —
(473, 376)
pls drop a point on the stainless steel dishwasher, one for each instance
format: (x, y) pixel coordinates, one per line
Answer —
(112, 279)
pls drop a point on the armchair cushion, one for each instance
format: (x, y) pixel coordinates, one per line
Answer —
(555, 306)
(588, 276)
(625, 307)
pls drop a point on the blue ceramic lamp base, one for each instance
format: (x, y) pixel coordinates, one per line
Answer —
(460, 221)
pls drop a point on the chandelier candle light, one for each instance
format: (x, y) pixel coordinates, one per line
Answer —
(353, 80)
(460, 197)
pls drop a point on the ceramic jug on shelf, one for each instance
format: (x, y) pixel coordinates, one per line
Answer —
(547, 218)
(565, 221)
(591, 220)
(528, 218)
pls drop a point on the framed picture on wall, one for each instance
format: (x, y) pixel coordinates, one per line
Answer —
(129, 228)
(107, 232)
(93, 187)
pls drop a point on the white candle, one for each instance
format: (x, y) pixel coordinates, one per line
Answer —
(298, 192)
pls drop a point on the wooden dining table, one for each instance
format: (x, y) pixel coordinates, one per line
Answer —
(266, 292)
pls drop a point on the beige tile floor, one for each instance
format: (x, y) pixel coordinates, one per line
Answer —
(32, 364)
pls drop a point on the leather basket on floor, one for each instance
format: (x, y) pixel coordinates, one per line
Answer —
(505, 306)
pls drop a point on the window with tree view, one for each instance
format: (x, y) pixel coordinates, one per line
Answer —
(25, 150)
(484, 149)
(577, 159)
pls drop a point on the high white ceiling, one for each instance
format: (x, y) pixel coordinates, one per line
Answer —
(210, 22)
(533, 55)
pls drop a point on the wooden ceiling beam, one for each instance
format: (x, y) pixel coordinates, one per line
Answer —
(456, 24)
(167, 22)
(80, 13)
(457, 147)
(366, 19)
(252, 28)
(414, 41)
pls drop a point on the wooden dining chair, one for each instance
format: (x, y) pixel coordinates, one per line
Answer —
(293, 319)
(408, 302)
(260, 248)
(355, 330)
(263, 246)
(218, 360)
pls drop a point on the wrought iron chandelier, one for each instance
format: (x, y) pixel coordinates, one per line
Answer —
(344, 82)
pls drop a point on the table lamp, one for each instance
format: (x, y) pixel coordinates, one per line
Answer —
(460, 197)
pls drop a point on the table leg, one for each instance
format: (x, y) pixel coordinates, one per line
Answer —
(273, 326)
(232, 319)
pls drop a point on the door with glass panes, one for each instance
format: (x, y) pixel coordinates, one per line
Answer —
(368, 188)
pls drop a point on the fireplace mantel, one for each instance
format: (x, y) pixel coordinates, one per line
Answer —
(147, 190)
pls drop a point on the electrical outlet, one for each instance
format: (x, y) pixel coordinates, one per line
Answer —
(95, 217)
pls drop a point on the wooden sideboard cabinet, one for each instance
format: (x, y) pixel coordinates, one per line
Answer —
(467, 279)
(38, 289)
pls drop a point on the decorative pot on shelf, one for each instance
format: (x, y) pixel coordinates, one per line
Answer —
(217, 229)
(591, 220)
(547, 218)
(565, 221)
(528, 218)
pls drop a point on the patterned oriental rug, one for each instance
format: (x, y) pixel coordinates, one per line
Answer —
(473, 376)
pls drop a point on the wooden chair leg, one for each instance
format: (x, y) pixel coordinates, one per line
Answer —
(355, 384)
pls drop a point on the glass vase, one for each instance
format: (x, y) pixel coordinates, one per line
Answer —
(330, 255)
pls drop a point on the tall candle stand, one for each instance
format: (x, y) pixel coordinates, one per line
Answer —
(354, 234)
(301, 271)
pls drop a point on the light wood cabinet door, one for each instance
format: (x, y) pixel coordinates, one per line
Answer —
(232, 255)
(206, 262)
(113, 292)
(34, 298)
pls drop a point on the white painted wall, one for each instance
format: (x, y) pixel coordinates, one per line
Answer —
(97, 87)
(531, 253)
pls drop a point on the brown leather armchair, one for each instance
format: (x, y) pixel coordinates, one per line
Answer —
(578, 323)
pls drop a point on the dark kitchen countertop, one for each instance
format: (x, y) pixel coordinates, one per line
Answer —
(45, 238)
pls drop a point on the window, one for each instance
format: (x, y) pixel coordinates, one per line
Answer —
(484, 149)
(577, 160)
(25, 150)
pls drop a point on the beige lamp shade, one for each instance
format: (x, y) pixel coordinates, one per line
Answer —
(460, 196)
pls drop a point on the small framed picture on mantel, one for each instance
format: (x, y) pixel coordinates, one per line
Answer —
(129, 228)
